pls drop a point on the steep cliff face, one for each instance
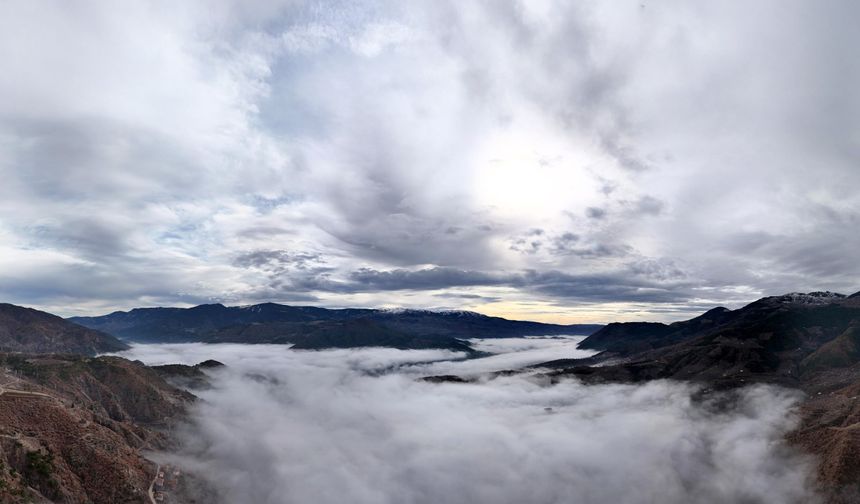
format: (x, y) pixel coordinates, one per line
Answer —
(72, 428)
(33, 331)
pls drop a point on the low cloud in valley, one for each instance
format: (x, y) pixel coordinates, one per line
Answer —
(356, 426)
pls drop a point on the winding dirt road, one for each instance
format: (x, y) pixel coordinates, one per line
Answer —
(22, 393)
(152, 484)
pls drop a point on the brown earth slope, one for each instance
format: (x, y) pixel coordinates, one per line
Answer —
(33, 331)
(72, 428)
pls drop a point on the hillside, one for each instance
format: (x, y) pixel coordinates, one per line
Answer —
(770, 339)
(33, 331)
(805, 341)
(72, 428)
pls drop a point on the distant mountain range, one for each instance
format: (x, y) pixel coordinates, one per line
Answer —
(308, 327)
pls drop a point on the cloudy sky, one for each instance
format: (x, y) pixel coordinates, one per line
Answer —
(561, 161)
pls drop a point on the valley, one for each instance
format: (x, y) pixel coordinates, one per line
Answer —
(67, 417)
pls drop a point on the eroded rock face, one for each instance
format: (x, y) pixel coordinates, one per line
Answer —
(72, 428)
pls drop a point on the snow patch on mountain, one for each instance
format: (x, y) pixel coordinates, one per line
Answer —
(811, 298)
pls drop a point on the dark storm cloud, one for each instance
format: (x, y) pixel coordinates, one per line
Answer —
(562, 247)
(635, 283)
(466, 296)
(425, 279)
(566, 244)
(93, 237)
(622, 286)
(263, 232)
(658, 270)
(529, 243)
(648, 205)
(746, 243)
(95, 158)
(278, 260)
(61, 286)
(625, 155)
(595, 213)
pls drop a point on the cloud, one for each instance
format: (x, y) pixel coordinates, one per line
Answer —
(595, 213)
(640, 281)
(149, 151)
(353, 425)
(430, 278)
(277, 260)
(648, 205)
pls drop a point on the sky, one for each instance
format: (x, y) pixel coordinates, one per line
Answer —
(546, 160)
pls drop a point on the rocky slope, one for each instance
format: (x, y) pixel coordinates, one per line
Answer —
(72, 428)
(33, 331)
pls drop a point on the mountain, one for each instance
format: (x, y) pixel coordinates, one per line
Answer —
(349, 333)
(188, 377)
(625, 337)
(806, 341)
(769, 338)
(466, 324)
(72, 428)
(33, 331)
(313, 327)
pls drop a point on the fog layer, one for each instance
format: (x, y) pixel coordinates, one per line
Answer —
(284, 426)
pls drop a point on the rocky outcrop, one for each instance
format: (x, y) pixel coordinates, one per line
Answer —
(188, 377)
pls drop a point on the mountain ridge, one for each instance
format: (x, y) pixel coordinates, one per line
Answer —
(276, 323)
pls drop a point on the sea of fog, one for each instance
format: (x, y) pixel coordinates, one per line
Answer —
(334, 426)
